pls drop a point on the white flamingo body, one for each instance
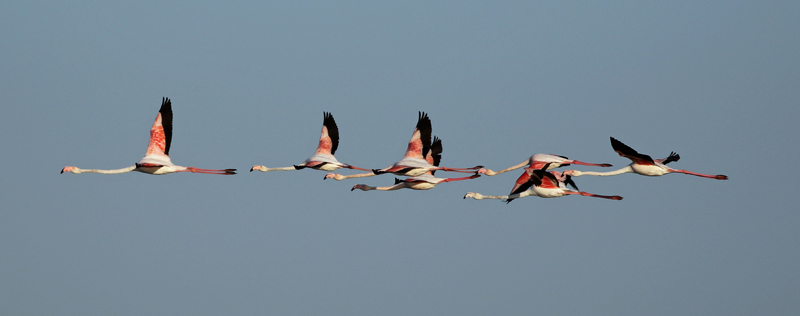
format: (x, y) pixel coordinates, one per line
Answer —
(643, 164)
(326, 162)
(156, 159)
(410, 166)
(323, 158)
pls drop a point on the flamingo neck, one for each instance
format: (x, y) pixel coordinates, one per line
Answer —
(265, 169)
(479, 196)
(490, 172)
(627, 169)
(101, 171)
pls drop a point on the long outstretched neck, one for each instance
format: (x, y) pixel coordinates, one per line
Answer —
(265, 169)
(490, 172)
(479, 196)
(718, 177)
(576, 173)
(341, 177)
(101, 171)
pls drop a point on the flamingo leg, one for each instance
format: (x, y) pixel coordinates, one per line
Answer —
(364, 187)
(614, 197)
(591, 164)
(459, 179)
(718, 177)
(356, 168)
(210, 171)
(463, 170)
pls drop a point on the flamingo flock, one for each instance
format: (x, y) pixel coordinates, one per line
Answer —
(418, 165)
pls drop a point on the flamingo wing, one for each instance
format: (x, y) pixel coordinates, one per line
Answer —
(525, 182)
(161, 132)
(672, 157)
(544, 178)
(568, 180)
(420, 142)
(527, 179)
(549, 181)
(628, 152)
(329, 139)
(435, 153)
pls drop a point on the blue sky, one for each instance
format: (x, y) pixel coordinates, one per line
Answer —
(82, 82)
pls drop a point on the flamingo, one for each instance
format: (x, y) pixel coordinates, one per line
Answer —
(643, 164)
(538, 160)
(413, 163)
(323, 158)
(425, 181)
(542, 183)
(156, 159)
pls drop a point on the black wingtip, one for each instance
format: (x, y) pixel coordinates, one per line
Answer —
(672, 157)
(166, 122)
(333, 130)
(569, 181)
(425, 129)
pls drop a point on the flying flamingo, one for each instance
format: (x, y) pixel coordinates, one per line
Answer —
(323, 158)
(423, 182)
(413, 163)
(538, 160)
(156, 159)
(541, 183)
(643, 164)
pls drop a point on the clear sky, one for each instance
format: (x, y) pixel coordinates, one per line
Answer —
(716, 82)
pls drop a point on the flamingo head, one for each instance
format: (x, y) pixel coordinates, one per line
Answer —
(259, 168)
(362, 187)
(71, 169)
(333, 176)
(485, 171)
(473, 195)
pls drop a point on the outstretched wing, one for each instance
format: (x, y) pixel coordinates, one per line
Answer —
(420, 142)
(435, 154)
(526, 180)
(627, 152)
(161, 132)
(329, 139)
